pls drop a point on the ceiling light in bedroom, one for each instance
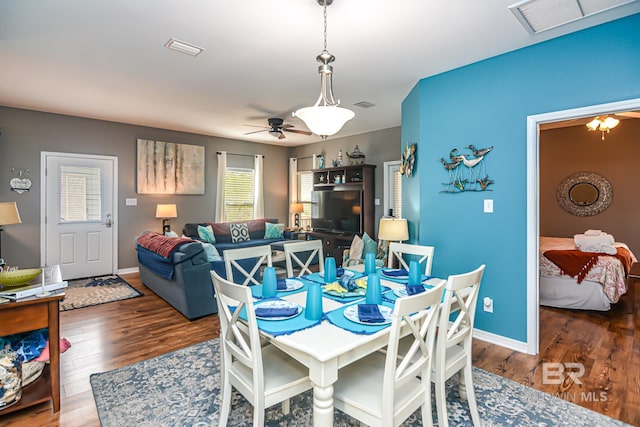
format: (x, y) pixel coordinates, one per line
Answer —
(325, 117)
(603, 124)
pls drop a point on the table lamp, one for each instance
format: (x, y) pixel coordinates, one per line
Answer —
(297, 209)
(166, 212)
(8, 215)
(393, 229)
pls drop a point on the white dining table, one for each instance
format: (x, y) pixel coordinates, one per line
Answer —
(326, 348)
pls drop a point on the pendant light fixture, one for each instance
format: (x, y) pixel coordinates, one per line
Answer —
(325, 117)
(603, 124)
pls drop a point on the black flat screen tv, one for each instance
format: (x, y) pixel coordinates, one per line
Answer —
(337, 211)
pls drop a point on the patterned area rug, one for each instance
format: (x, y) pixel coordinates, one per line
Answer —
(96, 290)
(181, 389)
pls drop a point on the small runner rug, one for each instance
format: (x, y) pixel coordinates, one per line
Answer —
(182, 388)
(96, 290)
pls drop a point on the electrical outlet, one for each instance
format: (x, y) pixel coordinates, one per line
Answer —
(488, 304)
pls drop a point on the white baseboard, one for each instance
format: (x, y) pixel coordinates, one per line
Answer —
(500, 340)
(129, 270)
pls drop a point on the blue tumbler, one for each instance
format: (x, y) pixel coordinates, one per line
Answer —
(373, 294)
(329, 270)
(313, 308)
(269, 282)
(414, 273)
(369, 263)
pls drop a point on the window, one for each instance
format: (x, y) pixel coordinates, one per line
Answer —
(238, 194)
(305, 187)
(80, 194)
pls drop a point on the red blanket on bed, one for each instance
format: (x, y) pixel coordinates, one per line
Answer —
(160, 244)
(578, 263)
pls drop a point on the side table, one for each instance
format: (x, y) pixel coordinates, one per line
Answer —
(632, 278)
(27, 315)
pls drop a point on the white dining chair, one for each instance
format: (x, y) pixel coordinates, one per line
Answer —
(303, 253)
(454, 341)
(231, 257)
(264, 375)
(398, 250)
(384, 389)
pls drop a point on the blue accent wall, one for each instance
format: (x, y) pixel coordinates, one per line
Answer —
(487, 104)
(410, 134)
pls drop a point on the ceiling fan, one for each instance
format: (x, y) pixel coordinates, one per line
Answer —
(277, 127)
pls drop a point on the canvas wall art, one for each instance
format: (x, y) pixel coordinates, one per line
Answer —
(170, 168)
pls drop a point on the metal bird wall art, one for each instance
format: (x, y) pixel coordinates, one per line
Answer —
(472, 175)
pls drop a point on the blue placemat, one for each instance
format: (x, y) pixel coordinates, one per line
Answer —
(392, 297)
(346, 300)
(282, 327)
(337, 318)
(316, 277)
(403, 280)
(256, 290)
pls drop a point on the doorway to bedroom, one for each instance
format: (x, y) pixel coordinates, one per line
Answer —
(557, 143)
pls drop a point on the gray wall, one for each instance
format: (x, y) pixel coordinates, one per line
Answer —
(26, 133)
(378, 147)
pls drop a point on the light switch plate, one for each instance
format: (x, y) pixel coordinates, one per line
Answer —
(488, 206)
(131, 202)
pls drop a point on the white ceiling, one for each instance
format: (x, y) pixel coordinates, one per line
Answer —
(106, 59)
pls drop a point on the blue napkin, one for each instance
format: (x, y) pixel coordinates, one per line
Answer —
(414, 289)
(370, 313)
(401, 272)
(276, 311)
(339, 272)
(281, 284)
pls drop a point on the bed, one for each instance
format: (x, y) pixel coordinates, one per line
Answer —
(604, 280)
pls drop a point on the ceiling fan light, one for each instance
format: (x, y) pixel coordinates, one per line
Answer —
(325, 120)
(275, 133)
(594, 124)
(610, 122)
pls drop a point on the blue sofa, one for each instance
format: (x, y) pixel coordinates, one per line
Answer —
(184, 279)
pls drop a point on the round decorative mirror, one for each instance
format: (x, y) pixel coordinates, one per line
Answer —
(584, 194)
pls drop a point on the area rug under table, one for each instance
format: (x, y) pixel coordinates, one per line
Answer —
(96, 290)
(182, 389)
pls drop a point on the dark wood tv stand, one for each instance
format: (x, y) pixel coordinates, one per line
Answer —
(352, 177)
(334, 244)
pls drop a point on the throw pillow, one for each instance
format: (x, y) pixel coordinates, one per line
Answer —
(206, 234)
(171, 234)
(357, 245)
(273, 231)
(370, 245)
(239, 232)
(211, 251)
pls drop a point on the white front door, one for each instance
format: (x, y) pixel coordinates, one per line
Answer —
(79, 203)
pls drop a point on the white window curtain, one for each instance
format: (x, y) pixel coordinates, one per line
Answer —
(293, 185)
(222, 174)
(258, 194)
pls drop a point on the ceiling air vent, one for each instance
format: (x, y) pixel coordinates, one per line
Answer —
(542, 15)
(365, 104)
(183, 47)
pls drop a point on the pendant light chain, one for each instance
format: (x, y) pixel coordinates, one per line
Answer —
(325, 26)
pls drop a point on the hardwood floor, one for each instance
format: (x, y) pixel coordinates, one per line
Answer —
(117, 334)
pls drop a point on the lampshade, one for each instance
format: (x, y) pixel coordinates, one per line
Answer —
(166, 211)
(297, 208)
(9, 214)
(325, 120)
(393, 229)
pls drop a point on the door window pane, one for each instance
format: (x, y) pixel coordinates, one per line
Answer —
(80, 194)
